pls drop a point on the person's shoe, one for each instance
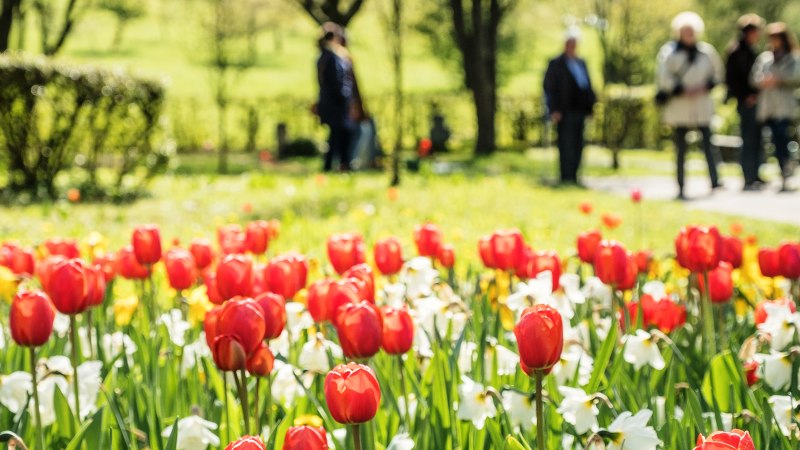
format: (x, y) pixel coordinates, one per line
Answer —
(717, 185)
(753, 187)
(785, 188)
(681, 197)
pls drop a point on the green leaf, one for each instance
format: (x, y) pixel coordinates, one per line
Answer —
(77, 440)
(720, 376)
(172, 442)
(602, 360)
(512, 444)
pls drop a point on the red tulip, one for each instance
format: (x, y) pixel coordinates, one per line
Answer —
(636, 195)
(360, 328)
(108, 265)
(507, 249)
(31, 318)
(212, 291)
(261, 361)
(398, 331)
(363, 273)
(228, 353)
(540, 337)
(279, 278)
(486, 252)
(761, 310)
(257, 237)
(235, 277)
(547, 261)
(587, 245)
(96, 282)
(128, 266)
(611, 220)
(340, 292)
(699, 249)
(586, 208)
(202, 252)
(299, 268)
(67, 248)
(68, 287)
(352, 393)
(664, 314)
(146, 243)
(428, 238)
(615, 266)
(19, 260)
(388, 255)
(723, 440)
(210, 325)
(447, 256)
(231, 239)
(181, 268)
(751, 372)
(345, 251)
(732, 251)
(769, 262)
(721, 281)
(643, 259)
(305, 438)
(274, 309)
(247, 443)
(789, 256)
(243, 319)
(317, 299)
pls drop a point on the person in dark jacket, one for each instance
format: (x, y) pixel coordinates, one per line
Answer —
(570, 99)
(336, 95)
(741, 58)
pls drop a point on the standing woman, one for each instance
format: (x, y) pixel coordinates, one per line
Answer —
(777, 75)
(336, 94)
(687, 71)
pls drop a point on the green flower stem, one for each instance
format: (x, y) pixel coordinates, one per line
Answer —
(269, 404)
(539, 374)
(709, 343)
(73, 334)
(227, 411)
(255, 406)
(243, 399)
(404, 390)
(356, 437)
(38, 414)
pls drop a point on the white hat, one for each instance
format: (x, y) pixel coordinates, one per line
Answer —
(688, 19)
(573, 33)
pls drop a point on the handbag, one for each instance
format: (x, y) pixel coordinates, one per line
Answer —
(662, 96)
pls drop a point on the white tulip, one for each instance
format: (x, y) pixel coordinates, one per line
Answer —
(194, 433)
(474, 403)
(521, 409)
(640, 350)
(578, 409)
(630, 432)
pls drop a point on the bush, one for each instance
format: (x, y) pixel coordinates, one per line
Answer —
(100, 123)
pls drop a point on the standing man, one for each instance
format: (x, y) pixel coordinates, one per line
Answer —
(570, 99)
(336, 95)
(741, 58)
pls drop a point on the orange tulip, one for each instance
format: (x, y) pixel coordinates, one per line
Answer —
(352, 393)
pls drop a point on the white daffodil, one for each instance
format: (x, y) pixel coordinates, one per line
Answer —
(314, 355)
(83, 337)
(2, 337)
(47, 392)
(520, 408)
(193, 353)
(727, 421)
(434, 315)
(466, 355)
(474, 403)
(640, 350)
(61, 324)
(15, 388)
(117, 343)
(775, 368)
(661, 409)
(281, 345)
(412, 405)
(393, 294)
(298, 319)
(578, 409)
(571, 285)
(656, 289)
(285, 387)
(418, 276)
(422, 344)
(176, 326)
(194, 433)
(597, 291)
(781, 325)
(574, 359)
(783, 408)
(630, 432)
(507, 360)
(401, 441)
(56, 373)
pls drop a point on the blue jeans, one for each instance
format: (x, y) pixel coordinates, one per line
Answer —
(752, 150)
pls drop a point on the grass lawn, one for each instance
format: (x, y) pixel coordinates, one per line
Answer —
(467, 203)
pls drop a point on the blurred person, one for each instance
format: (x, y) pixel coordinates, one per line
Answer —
(742, 56)
(570, 99)
(687, 71)
(776, 74)
(337, 94)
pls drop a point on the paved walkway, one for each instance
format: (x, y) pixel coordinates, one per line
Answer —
(767, 204)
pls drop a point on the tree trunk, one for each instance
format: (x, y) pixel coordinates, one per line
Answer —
(485, 108)
(7, 13)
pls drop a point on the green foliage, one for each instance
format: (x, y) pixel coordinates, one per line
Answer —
(54, 115)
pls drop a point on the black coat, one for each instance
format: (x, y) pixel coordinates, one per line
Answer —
(562, 92)
(737, 71)
(335, 77)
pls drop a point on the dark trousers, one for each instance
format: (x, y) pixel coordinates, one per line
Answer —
(780, 138)
(338, 148)
(752, 149)
(570, 145)
(682, 148)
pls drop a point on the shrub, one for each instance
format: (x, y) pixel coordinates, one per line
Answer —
(55, 116)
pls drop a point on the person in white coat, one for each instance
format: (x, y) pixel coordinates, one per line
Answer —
(776, 73)
(687, 71)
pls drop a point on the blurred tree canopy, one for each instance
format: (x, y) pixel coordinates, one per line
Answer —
(721, 15)
(337, 11)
